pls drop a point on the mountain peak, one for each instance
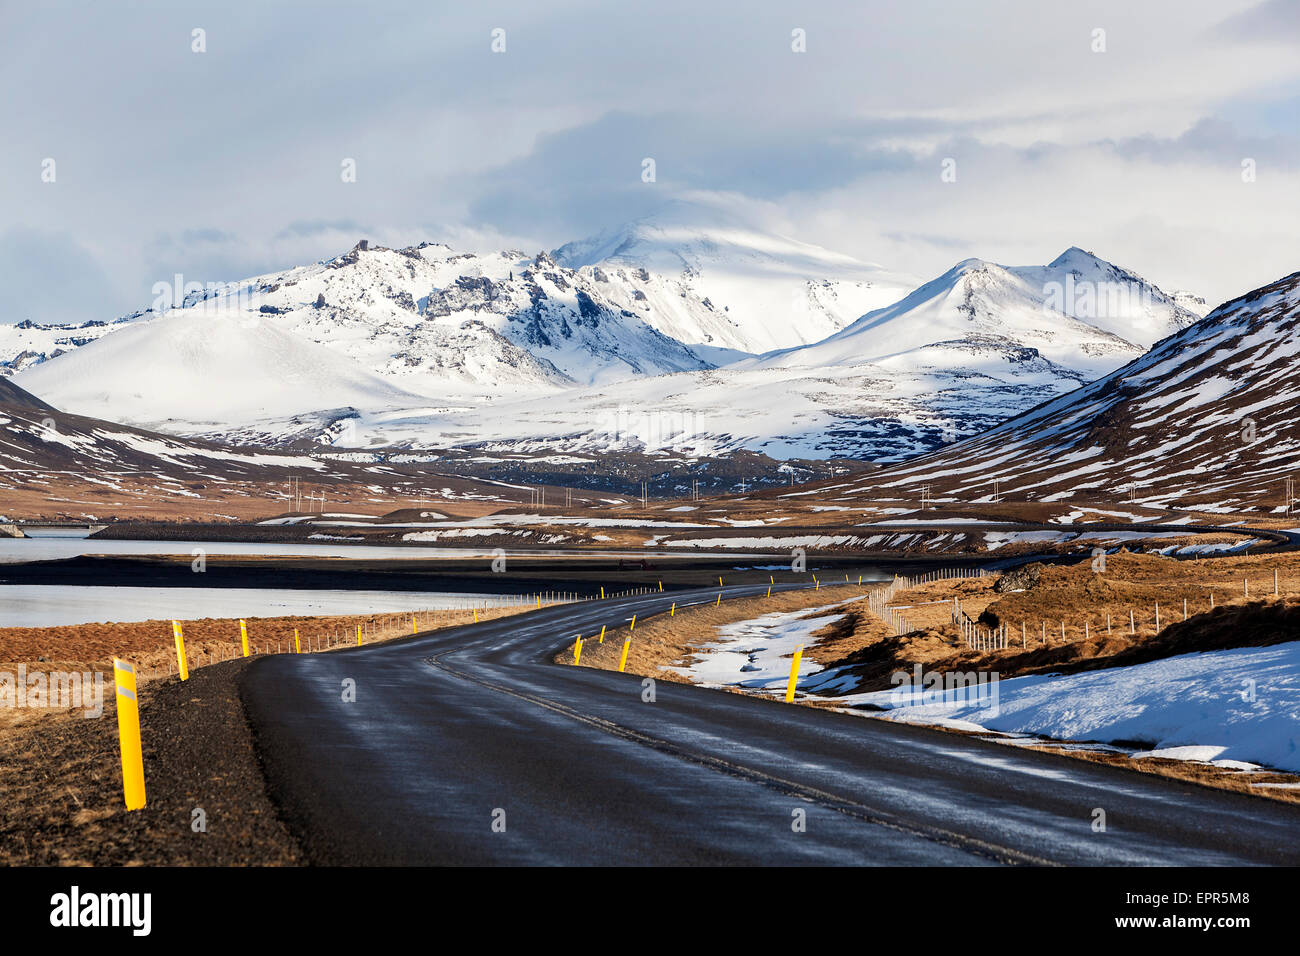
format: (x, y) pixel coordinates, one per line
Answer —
(1074, 256)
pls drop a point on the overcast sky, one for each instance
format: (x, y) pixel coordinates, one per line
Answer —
(227, 163)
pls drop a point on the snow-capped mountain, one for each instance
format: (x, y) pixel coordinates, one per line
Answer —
(369, 329)
(425, 347)
(1205, 419)
(709, 278)
(964, 352)
(1080, 313)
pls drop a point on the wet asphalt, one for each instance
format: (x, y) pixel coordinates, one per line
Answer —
(469, 746)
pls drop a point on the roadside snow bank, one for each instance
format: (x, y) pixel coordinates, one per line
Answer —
(755, 654)
(1241, 704)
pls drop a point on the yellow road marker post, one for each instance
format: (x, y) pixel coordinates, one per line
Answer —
(817, 585)
(719, 582)
(719, 603)
(358, 635)
(769, 590)
(539, 600)
(414, 628)
(633, 627)
(128, 733)
(602, 592)
(627, 642)
(672, 611)
(182, 665)
(243, 635)
(794, 673)
(771, 580)
(297, 644)
(602, 635)
(577, 649)
(661, 587)
(475, 615)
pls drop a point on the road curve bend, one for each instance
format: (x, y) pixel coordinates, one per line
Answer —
(469, 746)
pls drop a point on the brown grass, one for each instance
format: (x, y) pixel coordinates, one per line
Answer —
(150, 645)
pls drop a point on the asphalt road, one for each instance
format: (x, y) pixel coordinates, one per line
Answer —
(453, 731)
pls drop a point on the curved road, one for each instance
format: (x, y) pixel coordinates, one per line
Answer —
(455, 730)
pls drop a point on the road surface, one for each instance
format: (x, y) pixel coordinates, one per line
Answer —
(469, 746)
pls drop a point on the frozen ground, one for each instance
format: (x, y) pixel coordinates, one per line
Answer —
(1241, 704)
(1235, 708)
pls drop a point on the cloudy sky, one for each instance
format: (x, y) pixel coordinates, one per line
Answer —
(227, 163)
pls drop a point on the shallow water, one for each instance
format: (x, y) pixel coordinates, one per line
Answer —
(38, 605)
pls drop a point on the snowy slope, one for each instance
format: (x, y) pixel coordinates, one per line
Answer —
(203, 368)
(41, 439)
(1190, 706)
(27, 343)
(707, 277)
(1207, 417)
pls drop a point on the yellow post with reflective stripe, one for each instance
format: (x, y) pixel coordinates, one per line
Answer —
(661, 587)
(672, 611)
(794, 673)
(769, 590)
(719, 601)
(719, 582)
(297, 645)
(633, 627)
(181, 663)
(577, 650)
(627, 642)
(128, 732)
(358, 635)
(243, 635)
(602, 592)
(602, 635)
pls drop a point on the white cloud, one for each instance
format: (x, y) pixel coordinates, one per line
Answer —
(226, 163)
